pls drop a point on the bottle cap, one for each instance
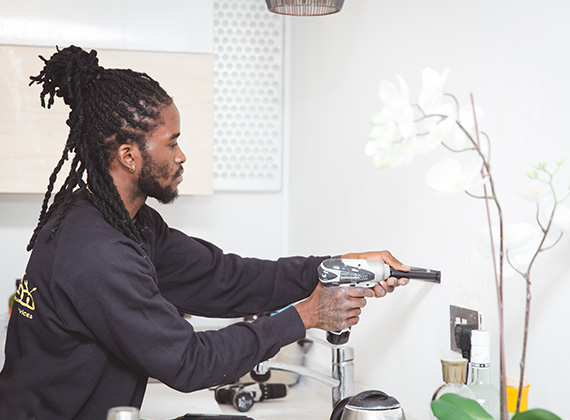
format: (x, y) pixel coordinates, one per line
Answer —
(480, 348)
(480, 338)
(123, 413)
(454, 371)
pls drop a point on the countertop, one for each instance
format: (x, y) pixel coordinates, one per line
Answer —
(306, 400)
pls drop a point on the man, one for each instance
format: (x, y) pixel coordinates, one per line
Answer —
(98, 310)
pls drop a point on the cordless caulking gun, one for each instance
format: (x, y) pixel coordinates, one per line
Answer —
(364, 273)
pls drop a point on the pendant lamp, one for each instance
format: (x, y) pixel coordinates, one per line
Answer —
(304, 7)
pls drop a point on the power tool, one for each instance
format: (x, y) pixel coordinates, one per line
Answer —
(243, 395)
(364, 273)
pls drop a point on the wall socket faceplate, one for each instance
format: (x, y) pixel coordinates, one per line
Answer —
(461, 316)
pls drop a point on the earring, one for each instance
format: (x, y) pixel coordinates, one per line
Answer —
(132, 169)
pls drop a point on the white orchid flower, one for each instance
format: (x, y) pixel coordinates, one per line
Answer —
(459, 139)
(535, 191)
(520, 241)
(396, 100)
(386, 150)
(392, 139)
(451, 175)
(378, 148)
(392, 96)
(437, 128)
(403, 152)
(431, 94)
(466, 116)
(561, 220)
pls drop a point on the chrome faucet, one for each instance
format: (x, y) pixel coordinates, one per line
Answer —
(342, 377)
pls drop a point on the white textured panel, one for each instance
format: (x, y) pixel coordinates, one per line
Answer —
(248, 96)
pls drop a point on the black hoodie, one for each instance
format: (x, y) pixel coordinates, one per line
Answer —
(96, 316)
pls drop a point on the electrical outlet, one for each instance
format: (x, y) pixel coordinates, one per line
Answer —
(461, 316)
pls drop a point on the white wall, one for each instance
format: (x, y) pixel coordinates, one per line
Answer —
(513, 56)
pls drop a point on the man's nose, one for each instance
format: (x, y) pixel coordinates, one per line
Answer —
(181, 157)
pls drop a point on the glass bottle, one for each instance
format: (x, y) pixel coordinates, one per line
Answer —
(454, 374)
(479, 382)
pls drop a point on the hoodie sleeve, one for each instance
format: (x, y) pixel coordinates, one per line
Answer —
(200, 279)
(114, 301)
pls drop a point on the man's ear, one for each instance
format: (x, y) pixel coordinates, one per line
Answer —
(128, 156)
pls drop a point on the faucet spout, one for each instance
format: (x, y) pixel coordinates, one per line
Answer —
(342, 377)
(263, 367)
(343, 370)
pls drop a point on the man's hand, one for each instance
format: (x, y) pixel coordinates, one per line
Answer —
(388, 285)
(333, 308)
(337, 308)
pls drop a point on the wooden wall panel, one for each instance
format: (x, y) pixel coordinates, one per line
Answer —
(32, 138)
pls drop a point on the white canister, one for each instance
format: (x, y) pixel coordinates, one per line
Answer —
(123, 413)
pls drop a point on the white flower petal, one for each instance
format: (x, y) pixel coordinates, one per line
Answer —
(483, 243)
(518, 236)
(562, 218)
(521, 242)
(387, 92)
(466, 116)
(371, 148)
(450, 175)
(431, 93)
(404, 91)
(405, 120)
(535, 191)
(403, 152)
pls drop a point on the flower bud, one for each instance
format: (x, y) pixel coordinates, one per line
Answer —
(531, 173)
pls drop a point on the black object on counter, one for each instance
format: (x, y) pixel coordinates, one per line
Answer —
(243, 395)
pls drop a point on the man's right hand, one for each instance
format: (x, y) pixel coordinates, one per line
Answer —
(333, 308)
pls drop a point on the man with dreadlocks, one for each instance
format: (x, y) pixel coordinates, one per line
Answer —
(97, 312)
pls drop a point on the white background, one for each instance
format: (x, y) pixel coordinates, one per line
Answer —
(513, 56)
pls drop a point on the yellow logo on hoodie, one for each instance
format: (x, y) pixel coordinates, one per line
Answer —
(24, 297)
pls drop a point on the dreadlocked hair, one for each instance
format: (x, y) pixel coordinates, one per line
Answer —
(109, 107)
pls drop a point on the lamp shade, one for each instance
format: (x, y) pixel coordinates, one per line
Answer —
(305, 7)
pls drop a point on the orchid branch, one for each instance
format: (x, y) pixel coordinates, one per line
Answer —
(512, 265)
(469, 149)
(498, 276)
(526, 275)
(478, 197)
(393, 126)
(555, 242)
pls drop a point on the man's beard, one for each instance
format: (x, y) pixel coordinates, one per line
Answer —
(148, 180)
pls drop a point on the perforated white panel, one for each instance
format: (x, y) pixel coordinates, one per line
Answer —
(248, 96)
